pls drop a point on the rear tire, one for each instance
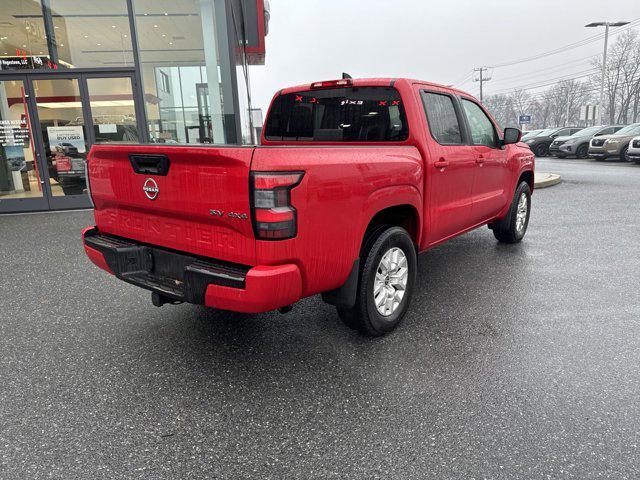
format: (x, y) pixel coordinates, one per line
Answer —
(513, 228)
(385, 284)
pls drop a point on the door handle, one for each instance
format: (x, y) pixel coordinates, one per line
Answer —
(441, 163)
(480, 160)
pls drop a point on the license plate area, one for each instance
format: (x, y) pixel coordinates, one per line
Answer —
(134, 259)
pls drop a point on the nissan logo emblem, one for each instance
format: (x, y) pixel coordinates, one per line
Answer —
(150, 189)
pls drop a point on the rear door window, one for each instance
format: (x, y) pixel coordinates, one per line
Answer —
(353, 114)
(442, 118)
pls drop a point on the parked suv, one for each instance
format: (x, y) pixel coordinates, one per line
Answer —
(615, 145)
(634, 150)
(578, 144)
(314, 209)
(540, 143)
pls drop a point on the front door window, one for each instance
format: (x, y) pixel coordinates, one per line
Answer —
(482, 129)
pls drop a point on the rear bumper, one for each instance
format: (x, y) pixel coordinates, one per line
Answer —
(187, 278)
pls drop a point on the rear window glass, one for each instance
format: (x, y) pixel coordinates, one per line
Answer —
(354, 114)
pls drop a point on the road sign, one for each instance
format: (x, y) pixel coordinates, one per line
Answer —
(524, 119)
(590, 113)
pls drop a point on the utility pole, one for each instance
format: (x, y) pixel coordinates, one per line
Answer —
(606, 26)
(481, 78)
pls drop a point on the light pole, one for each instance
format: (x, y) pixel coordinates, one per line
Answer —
(606, 26)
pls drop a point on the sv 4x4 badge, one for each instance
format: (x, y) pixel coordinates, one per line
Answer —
(220, 213)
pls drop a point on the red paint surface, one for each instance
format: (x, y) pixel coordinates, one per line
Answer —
(200, 179)
(95, 256)
(266, 288)
(450, 189)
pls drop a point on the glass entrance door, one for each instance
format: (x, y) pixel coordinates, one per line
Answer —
(64, 142)
(73, 114)
(48, 123)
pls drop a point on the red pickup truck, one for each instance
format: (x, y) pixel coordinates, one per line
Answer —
(352, 179)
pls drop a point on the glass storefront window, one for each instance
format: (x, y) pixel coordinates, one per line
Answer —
(113, 110)
(19, 176)
(23, 41)
(184, 71)
(92, 33)
(59, 34)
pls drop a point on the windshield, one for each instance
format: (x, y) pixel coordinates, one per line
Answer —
(530, 134)
(356, 114)
(630, 130)
(587, 131)
(547, 132)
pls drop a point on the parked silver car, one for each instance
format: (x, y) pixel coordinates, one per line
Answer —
(578, 144)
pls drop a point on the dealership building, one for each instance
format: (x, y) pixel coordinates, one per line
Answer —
(78, 72)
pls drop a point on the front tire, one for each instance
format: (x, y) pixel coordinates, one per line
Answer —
(582, 151)
(513, 228)
(624, 155)
(385, 285)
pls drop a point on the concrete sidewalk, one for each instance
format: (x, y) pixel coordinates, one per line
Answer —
(545, 179)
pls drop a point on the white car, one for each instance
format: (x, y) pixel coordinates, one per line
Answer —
(634, 150)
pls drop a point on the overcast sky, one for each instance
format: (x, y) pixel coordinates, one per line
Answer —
(439, 41)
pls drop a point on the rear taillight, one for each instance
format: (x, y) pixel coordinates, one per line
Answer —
(274, 218)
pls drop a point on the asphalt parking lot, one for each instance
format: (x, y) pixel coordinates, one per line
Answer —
(514, 361)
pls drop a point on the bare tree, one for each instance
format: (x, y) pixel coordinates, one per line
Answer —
(499, 107)
(622, 78)
(560, 104)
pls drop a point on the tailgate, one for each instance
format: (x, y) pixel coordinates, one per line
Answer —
(190, 199)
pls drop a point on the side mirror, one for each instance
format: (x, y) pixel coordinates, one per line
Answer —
(511, 135)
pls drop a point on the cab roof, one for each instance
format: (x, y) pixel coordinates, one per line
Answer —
(372, 82)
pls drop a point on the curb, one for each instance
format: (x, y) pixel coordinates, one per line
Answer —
(544, 180)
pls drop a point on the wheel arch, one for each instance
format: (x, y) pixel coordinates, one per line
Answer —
(401, 214)
(526, 176)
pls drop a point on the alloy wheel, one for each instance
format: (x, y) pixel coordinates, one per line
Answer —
(390, 283)
(521, 213)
